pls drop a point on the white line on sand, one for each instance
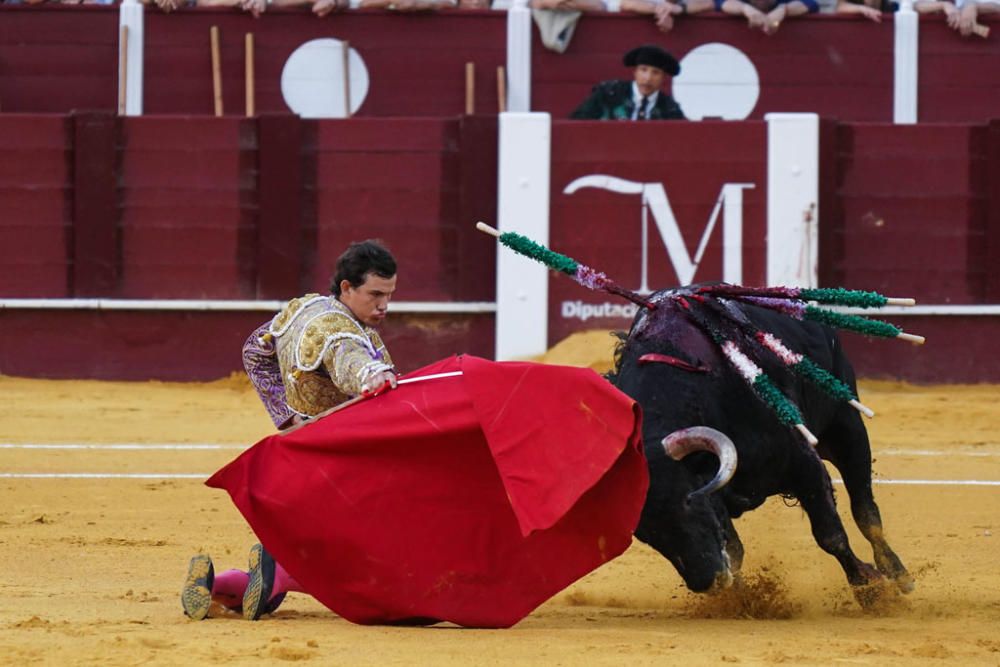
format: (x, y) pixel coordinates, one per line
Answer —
(955, 453)
(120, 446)
(143, 446)
(104, 475)
(201, 475)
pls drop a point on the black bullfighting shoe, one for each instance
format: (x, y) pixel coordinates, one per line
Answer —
(258, 593)
(275, 602)
(196, 596)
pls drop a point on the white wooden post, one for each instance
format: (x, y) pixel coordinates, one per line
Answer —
(792, 199)
(130, 15)
(519, 57)
(523, 207)
(906, 24)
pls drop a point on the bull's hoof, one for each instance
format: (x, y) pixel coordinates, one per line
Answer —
(905, 582)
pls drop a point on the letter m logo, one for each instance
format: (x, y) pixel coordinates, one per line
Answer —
(654, 199)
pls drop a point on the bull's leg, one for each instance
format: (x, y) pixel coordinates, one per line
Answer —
(815, 493)
(846, 446)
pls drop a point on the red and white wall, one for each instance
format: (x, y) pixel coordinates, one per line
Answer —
(149, 246)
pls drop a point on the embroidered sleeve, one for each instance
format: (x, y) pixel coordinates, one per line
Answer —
(261, 364)
(350, 362)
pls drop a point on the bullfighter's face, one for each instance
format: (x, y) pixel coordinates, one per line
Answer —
(649, 79)
(369, 301)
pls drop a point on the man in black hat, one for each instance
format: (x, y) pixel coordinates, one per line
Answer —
(639, 99)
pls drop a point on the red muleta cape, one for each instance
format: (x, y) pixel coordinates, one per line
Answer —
(470, 499)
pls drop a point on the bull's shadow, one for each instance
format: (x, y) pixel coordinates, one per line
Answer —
(671, 362)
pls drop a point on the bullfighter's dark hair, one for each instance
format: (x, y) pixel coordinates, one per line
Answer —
(359, 260)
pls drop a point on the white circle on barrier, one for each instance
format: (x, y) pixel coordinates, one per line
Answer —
(716, 81)
(312, 81)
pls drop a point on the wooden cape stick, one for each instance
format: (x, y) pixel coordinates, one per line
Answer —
(216, 69)
(364, 397)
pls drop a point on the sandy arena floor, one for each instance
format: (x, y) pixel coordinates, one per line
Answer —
(92, 567)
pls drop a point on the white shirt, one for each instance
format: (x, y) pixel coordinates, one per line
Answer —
(637, 100)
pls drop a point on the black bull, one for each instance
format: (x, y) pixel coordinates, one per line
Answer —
(685, 517)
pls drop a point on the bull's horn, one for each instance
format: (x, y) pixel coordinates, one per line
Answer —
(702, 438)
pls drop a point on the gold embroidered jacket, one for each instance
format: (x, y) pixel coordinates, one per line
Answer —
(324, 353)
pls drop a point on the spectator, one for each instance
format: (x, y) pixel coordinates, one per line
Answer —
(870, 9)
(767, 15)
(255, 7)
(319, 7)
(404, 5)
(556, 20)
(639, 99)
(946, 7)
(666, 11)
(58, 2)
(662, 11)
(966, 22)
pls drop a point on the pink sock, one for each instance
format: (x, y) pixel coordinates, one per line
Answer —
(229, 587)
(284, 582)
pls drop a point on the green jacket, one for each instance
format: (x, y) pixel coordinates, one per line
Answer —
(612, 100)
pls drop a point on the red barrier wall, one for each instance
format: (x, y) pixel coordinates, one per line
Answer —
(35, 214)
(179, 198)
(200, 208)
(956, 75)
(837, 67)
(914, 206)
(415, 62)
(604, 229)
(58, 58)
(397, 185)
(186, 221)
(55, 58)
(958, 349)
(187, 198)
(194, 345)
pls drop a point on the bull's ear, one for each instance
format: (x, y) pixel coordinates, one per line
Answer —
(704, 439)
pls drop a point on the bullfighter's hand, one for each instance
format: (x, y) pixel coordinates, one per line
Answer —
(379, 383)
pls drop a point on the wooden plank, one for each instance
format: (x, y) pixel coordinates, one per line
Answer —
(279, 250)
(96, 258)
